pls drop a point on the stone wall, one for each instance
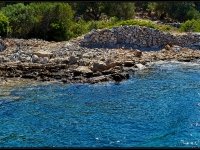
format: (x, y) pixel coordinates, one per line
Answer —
(137, 37)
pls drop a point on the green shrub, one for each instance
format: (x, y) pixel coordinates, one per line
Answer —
(54, 21)
(193, 14)
(4, 25)
(60, 22)
(121, 10)
(191, 26)
(21, 19)
(180, 11)
(138, 22)
(49, 21)
(79, 28)
(146, 23)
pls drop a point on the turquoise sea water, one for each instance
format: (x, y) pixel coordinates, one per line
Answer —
(159, 108)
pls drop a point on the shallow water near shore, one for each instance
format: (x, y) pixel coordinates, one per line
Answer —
(158, 108)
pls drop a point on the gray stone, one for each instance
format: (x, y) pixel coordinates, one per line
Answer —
(99, 66)
(73, 60)
(83, 69)
(2, 46)
(35, 59)
(43, 54)
(44, 60)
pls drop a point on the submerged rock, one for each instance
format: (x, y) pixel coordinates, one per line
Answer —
(119, 77)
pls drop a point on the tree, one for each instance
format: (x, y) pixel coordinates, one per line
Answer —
(94, 10)
(21, 19)
(4, 25)
(49, 21)
(197, 5)
(54, 21)
(180, 11)
(121, 10)
(88, 10)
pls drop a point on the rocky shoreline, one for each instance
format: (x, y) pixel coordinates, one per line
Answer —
(70, 62)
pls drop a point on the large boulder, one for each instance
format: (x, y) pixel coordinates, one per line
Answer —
(119, 76)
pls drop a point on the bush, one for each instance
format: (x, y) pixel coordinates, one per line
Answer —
(191, 26)
(54, 21)
(140, 22)
(21, 19)
(121, 10)
(79, 28)
(146, 23)
(4, 25)
(193, 14)
(60, 22)
(179, 11)
(49, 21)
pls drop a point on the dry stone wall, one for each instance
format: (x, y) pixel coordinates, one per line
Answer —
(137, 37)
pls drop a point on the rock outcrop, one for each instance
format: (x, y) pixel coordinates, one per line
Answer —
(137, 37)
(71, 62)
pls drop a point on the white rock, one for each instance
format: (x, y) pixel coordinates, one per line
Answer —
(140, 66)
(43, 54)
(83, 69)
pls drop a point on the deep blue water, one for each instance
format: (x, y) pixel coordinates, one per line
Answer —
(159, 108)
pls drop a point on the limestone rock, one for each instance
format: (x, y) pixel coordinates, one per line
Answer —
(83, 69)
(84, 62)
(137, 36)
(3, 59)
(35, 59)
(2, 45)
(44, 60)
(43, 54)
(138, 53)
(98, 79)
(119, 77)
(140, 66)
(99, 66)
(73, 60)
(167, 47)
(59, 60)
